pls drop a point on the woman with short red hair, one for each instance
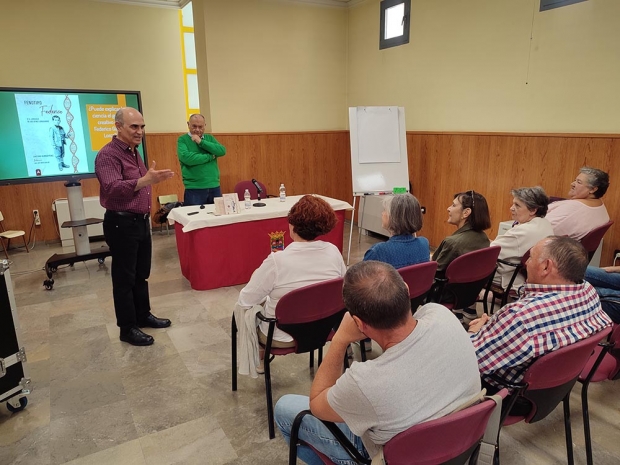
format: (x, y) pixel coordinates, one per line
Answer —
(304, 262)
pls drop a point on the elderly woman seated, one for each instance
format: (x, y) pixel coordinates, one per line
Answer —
(469, 212)
(528, 209)
(303, 262)
(402, 217)
(584, 210)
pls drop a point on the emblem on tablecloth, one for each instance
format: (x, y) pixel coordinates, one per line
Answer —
(277, 240)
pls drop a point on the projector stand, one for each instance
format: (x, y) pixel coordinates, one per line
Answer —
(78, 224)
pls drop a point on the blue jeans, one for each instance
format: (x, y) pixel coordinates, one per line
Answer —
(201, 196)
(313, 432)
(606, 285)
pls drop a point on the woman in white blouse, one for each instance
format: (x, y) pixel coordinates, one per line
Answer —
(303, 262)
(528, 209)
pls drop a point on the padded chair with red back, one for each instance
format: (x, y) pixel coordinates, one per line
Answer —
(309, 314)
(419, 279)
(549, 381)
(604, 364)
(465, 277)
(501, 294)
(241, 186)
(592, 240)
(447, 440)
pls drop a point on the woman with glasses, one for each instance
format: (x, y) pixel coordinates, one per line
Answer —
(528, 209)
(402, 217)
(584, 210)
(469, 212)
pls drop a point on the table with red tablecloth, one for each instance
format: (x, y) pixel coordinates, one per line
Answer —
(218, 251)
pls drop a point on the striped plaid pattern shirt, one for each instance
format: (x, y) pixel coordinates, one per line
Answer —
(546, 318)
(118, 169)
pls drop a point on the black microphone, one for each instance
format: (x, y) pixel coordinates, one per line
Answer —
(257, 185)
(259, 191)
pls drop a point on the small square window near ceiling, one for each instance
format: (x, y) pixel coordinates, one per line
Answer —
(394, 23)
(551, 4)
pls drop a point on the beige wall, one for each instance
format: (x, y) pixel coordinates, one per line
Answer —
(275, 65)
(284, 66)
(469, 67)
(82, 44)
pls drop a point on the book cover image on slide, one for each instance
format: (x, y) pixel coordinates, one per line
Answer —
(51, 127)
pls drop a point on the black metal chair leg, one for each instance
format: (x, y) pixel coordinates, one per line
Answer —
(311, 365)
(320, 356)
(292, 458)
(606, 347)
(233, 350)
(363, 350)
(270, 420)
(569, 435)
(586, 423)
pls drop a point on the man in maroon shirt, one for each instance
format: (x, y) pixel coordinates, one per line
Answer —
(125, 193)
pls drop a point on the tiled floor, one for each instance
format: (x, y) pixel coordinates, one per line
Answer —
(99, 401)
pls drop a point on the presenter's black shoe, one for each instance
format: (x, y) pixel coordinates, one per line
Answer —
(136, 337)
(153, 322)
(64, 165)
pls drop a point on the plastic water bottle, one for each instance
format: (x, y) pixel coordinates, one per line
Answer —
(248, 200)
(282, 193)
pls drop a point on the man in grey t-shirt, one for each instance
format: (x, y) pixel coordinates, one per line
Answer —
(428, 368)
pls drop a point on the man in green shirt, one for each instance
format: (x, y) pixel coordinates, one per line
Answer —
(198, 153)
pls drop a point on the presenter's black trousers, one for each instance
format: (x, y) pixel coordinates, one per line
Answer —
(129, 239)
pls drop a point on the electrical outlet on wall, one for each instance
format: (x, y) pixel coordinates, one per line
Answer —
(37, 218)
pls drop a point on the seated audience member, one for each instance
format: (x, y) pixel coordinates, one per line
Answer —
(469, 212)
(303, 262)
(427, 369)
(606, 281)
(557, 308)
(584, 210)
(402, 217)
(528, 209)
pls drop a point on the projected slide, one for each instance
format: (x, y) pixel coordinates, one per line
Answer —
(56, 134)
(47, 128)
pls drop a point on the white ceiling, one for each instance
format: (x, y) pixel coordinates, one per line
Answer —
(176, 4)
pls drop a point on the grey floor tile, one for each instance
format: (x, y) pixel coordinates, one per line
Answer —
(84, 393)
(97, 400)
(85, 433)
(195, 442)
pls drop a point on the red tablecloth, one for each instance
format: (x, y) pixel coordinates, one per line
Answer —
(226, 255)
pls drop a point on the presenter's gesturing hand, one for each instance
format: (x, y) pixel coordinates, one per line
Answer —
(153, 176)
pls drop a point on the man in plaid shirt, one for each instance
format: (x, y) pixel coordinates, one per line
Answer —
(557, 308)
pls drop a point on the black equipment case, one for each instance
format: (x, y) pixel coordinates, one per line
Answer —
(14, 381)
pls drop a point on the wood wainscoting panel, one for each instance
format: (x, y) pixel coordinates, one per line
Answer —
(442, 164)
(17, 202)
(306, 162)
